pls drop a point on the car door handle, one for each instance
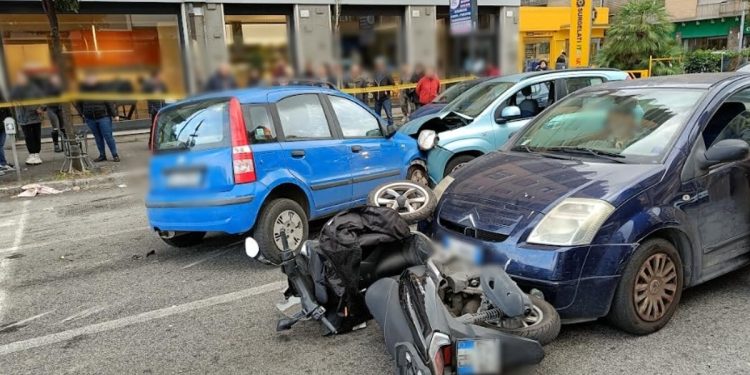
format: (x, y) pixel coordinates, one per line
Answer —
(298, 153)
(356, 148)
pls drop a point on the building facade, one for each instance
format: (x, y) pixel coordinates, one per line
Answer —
(186, 40)
(708, 24)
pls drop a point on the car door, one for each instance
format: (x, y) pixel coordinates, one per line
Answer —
(374, 158)
(313, 152)
(532, 99)
(717, 201)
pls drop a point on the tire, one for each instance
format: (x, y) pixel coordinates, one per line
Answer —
(624, 313)
(417, 174)
(414, 202)
(456, 163)
(185, 239)
(544, 331)
(269, 217)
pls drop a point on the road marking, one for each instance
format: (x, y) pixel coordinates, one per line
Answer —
(31, 245)
(84, 313)
(138, 318)
(5, 263)
(23, 322)
(220, 251)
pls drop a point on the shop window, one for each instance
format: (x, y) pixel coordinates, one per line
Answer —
(367, 37)
(258, 46)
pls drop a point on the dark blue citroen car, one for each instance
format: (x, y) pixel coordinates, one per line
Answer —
(615, 199)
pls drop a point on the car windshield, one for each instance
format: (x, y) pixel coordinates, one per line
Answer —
(627, 125)
(475, 100)
(192, 126)
(454, 91)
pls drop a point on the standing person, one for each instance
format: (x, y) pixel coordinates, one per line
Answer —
(562, 61)
(383, 77)
(29, 118)
(54, 111)
(405, 96)
(154, 85)
(356, 80)
(221, 80)
(4, 166)
(542, 66)
(428, 87)
(98, 116)
(415, 77)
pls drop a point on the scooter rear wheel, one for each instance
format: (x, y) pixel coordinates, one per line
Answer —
(542, 324)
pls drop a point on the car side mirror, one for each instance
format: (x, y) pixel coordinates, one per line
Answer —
(508, 113)
(724, 151)
(390, 130)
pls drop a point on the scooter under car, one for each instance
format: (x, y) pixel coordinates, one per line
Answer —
(440, 313)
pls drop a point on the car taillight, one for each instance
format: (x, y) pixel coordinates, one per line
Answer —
(152, 139)
(242, 155)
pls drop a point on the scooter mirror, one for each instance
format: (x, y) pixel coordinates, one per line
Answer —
(251, 247)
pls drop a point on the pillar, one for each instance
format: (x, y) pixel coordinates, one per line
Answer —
(313, 37)
(205, 39)
(421, 35)
(508, 43)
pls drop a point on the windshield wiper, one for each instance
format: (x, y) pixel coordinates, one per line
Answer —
(535, 151)
(611, 156)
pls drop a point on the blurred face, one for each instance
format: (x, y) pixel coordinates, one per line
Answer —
(430, 72)
(380, 66)
(356, 70)
(224, 69)
(543, 64)
(621, 124)
(22, 79)
(89, 79)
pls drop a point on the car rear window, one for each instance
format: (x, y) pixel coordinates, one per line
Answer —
(192, 126)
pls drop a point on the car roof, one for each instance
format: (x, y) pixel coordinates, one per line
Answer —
(518, 77)
(696, 80)
(262, 94)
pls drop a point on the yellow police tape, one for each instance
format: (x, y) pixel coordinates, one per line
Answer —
(115, 97)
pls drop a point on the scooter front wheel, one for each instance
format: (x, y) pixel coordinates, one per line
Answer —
(541, 324)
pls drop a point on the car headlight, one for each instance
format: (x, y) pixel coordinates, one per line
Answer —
(427, 139)
(574, 221)
(442, 186)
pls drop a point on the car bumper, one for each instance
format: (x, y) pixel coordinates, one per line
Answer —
(579, 281)
(437, 158)
(232, 212)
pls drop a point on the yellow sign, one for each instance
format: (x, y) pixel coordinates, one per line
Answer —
(580, 33)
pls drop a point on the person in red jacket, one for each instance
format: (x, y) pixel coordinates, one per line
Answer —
(428, 87)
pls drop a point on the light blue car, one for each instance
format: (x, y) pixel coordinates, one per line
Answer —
(483, 118)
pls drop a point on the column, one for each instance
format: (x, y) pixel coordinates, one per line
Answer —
(205, 31)
(421, 35)
(508, 43)
(313, 37)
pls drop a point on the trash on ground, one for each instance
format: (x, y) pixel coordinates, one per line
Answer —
(32, 190)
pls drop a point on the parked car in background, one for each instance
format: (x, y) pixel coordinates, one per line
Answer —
(616, 199)
(483, 118)
(446, 97)
(267, 159)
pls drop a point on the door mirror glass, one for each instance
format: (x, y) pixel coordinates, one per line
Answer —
(724, 151)
(508, 113)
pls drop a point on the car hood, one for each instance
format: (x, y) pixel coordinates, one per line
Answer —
(413, 126)
(428, 109)
(507, 188)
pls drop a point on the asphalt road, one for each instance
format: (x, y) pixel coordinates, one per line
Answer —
(86, 288)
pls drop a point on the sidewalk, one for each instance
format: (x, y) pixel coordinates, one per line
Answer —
(131, 145)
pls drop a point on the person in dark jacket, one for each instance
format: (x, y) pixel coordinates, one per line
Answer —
(98, 115)
(221, 80)
(356, 80)
(382, 77)
(415, 77)
(4, 112)
(29, 117)
(154, 85)
(54, 111)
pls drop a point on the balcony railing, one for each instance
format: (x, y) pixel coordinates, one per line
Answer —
(723, 9)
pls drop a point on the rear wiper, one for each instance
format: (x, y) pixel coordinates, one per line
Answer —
(526, 148)
(611, 156)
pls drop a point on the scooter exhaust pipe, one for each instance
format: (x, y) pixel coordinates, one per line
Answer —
(166, 234)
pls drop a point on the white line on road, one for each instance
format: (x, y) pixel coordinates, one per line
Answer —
(139, 318)
(23, 322)
(84, 313)
(5, 263)
(72, 239)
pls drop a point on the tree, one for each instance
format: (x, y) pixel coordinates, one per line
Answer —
(51, 7)
(639, 30)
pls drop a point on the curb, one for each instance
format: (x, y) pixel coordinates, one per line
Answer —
(63, 185)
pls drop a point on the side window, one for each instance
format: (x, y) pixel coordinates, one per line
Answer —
(731, 120)
(302, 117)
(533, 99)
(354, 120)
(259, 124)
(576, 83)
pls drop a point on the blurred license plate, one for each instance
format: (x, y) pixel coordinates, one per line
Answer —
(478, 357)
(184, 179)
(463, 249)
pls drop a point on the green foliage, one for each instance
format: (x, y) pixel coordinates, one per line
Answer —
(640, 29)
(702, 62)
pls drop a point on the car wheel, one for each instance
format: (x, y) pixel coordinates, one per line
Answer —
(413, 201)
(457, 163)
(185, 239)
(541, 324)
(649, 290)
(276, 215)
(417, 174)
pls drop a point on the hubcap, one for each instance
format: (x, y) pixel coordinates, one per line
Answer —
(655, 287)
(290, 222)
(403, 198)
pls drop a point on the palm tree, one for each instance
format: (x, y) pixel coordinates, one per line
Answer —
(640, 29)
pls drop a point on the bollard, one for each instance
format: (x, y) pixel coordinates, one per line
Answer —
(10, 131)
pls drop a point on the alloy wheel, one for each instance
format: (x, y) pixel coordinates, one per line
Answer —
(291, 223)
(655, 287)
(403, 197)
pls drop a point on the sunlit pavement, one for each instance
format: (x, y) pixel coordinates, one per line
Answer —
(85, 287)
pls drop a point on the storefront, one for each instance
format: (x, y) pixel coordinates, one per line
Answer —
(709, 34)
(456, 52)
(544, 33)
(119, 44)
